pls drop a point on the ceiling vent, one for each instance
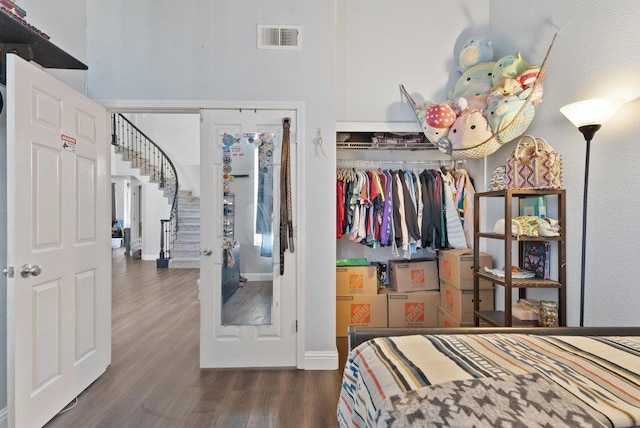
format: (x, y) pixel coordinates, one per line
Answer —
(279, 37)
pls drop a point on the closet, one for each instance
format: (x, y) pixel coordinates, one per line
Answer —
(401, 166)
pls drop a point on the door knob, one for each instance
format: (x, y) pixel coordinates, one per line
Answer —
(28, 270)
(207, 252)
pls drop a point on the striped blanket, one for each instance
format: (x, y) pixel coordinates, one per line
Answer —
(599, 376)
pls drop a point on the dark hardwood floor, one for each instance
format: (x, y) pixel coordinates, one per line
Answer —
(154, 379)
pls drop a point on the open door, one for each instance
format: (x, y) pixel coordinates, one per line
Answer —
(58, 244)
(240, 158)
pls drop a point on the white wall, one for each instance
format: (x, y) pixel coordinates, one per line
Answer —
(207, 51)
(156, 206)
(178, 135)
(595, 55)
(382, 44)
(65, 23)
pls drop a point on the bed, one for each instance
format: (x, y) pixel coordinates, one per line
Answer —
(490, 377)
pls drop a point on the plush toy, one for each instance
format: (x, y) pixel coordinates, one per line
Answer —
(508, 66)
(508, 86)
(475, 81)
(528, 77)
(475, 51)
(505, 116)
(470, 129)
(438, 119)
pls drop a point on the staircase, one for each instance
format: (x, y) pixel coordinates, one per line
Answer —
(186, 247)
(180, 234)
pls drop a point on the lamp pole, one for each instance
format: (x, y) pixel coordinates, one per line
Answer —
(588, 131)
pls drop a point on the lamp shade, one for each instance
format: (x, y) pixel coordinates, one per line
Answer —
(592, 112)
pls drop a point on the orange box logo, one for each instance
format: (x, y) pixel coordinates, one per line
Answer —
(417, 277)
(447, 267)
(356, 282)
(360, 313)
(414, 312)
(449, 297)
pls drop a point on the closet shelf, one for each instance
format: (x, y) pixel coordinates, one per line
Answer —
(383, 141)
(384, 146)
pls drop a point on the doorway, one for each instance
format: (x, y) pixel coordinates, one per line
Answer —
(297, 284)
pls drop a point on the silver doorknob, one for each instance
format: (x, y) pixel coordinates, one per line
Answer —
(207, 252)
(28, 270)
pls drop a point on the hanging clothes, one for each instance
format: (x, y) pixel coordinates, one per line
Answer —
(403, 209)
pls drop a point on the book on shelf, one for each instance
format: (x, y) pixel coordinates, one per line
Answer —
(8, 4)
(536, 257)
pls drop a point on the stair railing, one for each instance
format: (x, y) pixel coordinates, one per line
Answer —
(146, 155)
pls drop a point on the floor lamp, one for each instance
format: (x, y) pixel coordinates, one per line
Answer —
(588, 116)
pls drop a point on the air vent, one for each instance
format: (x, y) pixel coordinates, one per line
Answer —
(279, 37)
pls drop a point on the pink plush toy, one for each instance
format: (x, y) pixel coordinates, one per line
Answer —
(470, 129)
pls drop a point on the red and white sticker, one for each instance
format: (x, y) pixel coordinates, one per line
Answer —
(68, 143)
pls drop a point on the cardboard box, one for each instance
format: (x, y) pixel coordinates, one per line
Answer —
(413, 309)
(446, 320)
(361, 311)
(413, 275)
(352, 280)
(459, 303)
(456, 267)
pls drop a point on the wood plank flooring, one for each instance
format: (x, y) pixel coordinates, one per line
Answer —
(154, 379)
(249, 305)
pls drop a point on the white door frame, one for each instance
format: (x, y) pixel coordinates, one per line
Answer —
(194, 106)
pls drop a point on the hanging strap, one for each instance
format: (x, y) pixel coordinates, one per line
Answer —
(286, 211)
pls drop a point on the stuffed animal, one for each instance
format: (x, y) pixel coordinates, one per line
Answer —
(508, 66)
(470, 129)
(507, 116)
(528, 77)
(475, 51)
(474, 81)
(438, 120)
(508, 86)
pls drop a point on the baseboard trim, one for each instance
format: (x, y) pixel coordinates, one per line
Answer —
(321, 360)
(3, 418)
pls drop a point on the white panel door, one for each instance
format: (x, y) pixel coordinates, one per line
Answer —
(272, 345)
(58, 238)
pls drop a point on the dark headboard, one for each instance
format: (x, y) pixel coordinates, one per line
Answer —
(357, 335)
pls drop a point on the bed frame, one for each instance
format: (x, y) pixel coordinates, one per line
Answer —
(357, 335)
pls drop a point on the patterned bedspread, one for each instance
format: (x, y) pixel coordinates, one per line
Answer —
(484, 380)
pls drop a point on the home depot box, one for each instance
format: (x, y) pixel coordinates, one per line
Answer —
(456, 267)
(361, 311)
(356, 280)
(413, 309)
(459, 303)
(445, 319)
(413, 275)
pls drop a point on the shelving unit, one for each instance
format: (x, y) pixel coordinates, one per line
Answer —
(505, 318)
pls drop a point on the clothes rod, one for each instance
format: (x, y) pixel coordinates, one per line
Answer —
(349, 163)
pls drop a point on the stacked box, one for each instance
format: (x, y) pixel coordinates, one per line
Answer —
(455, 269)
(459, 303)
(360, 311)
(356, 280)
(413, 309)
(413, 275)
(358, 302)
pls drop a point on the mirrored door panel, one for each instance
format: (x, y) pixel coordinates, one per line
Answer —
(247, 227)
